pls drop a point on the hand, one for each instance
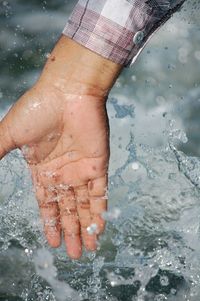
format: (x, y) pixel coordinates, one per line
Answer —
(64, 137)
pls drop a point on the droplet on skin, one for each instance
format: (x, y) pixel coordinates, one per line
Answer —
(92, 229)
(32, 106)
(25, 149)
(53, 136)
(63, 186)
(36, 104)
(50, 222)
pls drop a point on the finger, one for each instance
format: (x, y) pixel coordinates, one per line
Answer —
(70, 223)
(98, 201)
(50, 215)
(83, 208)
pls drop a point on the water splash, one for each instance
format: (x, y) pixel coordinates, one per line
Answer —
(151, 247)
(45, 268)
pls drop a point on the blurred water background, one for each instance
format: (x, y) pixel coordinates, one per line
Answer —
(151, 248)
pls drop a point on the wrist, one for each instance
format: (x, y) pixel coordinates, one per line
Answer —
(74, 69)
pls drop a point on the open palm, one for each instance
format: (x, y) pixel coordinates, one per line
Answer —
(65, 141)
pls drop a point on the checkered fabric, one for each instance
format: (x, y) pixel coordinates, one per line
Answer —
(111, 27)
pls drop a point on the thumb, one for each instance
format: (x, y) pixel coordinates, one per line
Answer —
(6, 141)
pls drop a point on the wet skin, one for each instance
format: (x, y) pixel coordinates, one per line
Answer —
(61, 126)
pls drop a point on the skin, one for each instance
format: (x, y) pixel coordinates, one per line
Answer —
(61, 126)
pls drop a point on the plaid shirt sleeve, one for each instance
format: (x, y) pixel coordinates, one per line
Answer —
(118, 29)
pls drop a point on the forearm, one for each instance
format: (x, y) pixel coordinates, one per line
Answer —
(98, 42)
(73, 68)
(118, 29)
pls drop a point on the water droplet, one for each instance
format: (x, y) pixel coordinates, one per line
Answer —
(160, 297)
(164, 280)
(113, 283)
(47, 55)
(133, 78)
(92, 229)
(111, 214)
(173, 291)
(135, 166)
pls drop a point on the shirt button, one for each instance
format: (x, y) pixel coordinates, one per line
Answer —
(138, 37)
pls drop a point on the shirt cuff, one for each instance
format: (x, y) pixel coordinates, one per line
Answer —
(118, 29)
